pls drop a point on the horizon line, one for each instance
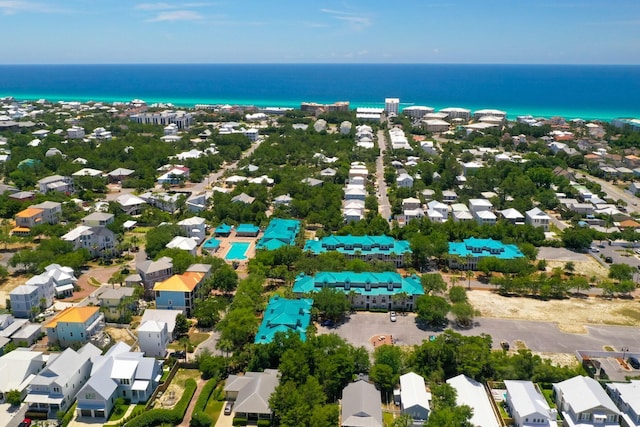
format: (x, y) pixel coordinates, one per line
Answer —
(324, 63)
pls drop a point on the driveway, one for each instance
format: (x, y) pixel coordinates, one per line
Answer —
(538, 336)
(11, 416)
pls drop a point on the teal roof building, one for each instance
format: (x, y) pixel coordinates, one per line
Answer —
(249, 230)
(368, 248)
(284, 315)
(368, 290)
(223, 230)
(467, 253)
(280, 232)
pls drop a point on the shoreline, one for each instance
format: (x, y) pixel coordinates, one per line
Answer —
(512, 113)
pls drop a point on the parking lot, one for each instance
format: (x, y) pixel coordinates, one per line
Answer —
(538, 336)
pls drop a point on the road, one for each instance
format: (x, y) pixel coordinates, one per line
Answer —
(384, 207)
(612, 191)
(538, 336)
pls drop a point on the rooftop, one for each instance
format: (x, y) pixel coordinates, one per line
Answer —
(72, 315)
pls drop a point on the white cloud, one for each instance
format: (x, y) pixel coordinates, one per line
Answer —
(11, 7)
(356, 21)
(176, 15)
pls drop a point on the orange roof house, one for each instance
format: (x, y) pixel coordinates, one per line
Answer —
(74, 325)
(178, 292)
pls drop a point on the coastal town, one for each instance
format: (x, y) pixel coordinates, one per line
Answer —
(228, 265)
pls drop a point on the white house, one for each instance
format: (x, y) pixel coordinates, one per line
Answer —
(449, 196)
(361, 405)
(188, 244)
(527, 406)
(538, 218)
(153, 338)
(251, 393)
(130, 204)
(97, 240)
(473, 394)
(439, 207)
(584, 403)
(627, 397)
(404, 180)
(25, 301)
(119, 373)
(55, 387)
(479, 205)
(414, 398)
(485, 218)
(63, 184)
(194, 227)
(513, 216)
(17, 369)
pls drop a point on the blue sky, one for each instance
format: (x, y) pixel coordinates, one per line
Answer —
(307, 31)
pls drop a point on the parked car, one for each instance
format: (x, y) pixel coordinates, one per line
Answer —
(181, 354)
(608, 260)
(504, 345)
(392, 316)
(25, 423)
(327, 323)
(228, 407)
(635, 364)
(596, 250)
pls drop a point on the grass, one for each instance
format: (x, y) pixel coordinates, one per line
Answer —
(198, 337)
(142, 230)
(630, 313)
(184, 374)
(520, 345)
(213, 408)
(503, 412)
(548, 395)
(94, 282)
(387, 418)
(118, 412)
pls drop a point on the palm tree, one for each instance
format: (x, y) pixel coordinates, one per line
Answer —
(469, 275)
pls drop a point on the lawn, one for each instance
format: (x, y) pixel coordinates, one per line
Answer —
(213, 408)
(387, 418)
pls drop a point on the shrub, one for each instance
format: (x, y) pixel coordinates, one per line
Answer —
(239, 421)
(200, 419)
(173, 416)
(264, 423)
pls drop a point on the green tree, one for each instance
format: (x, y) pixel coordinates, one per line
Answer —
(207, 312)
(384, 378)
(578, 238)
(433, 283)
(182, 325)
(432, 309)
(463, 312)
(331, 303)
(13, 397)
(620, 272)
(457, 294)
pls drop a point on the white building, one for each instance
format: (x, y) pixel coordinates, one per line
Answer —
(25, 301)
(17, 369)
(583, 403)
(392, 106)
(153, 338)
(471, 393)
(627, 397)
(75, 132)
(54, 389)
(538, 218)
(417, 111)
(194, 227)
(457, 113)
(99, 241)
(414, 398)
(527, 406)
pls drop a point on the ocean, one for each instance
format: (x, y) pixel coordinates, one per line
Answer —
(585, 91)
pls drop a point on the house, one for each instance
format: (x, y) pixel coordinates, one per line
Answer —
(99, 241)
(119, 373)
(473, 394)
(367, 248)
(404, 180)
(414, 398)
(25, 301)
(283, 200)
(627, 398)
(435, 125)
(153, 338)
(251, 393)
(440, 208)
(280, 232)
(527, 405)
(361, 405)
(449, 196)
(98, 219)
(479, 205)
(74, 325)
(117, 303)
(194, 227)
(187, 244)
(62, 184)
(410, 203)
(164, 316)
(150, 272)
(538, 218)
(54, 389)
(120, 174)
(243, 198)
(355, 193)
(26, 219)
(51, 211)
(284, 315)
(178, 292)
(584, 403)
(130, 204)
(54, 281)
(366, 290)
(512, 216)
(485, 218)
(466, 254)
(17, 369)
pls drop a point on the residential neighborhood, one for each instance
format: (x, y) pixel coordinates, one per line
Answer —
(236, 265)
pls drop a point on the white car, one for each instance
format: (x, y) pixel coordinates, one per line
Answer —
(392, 316)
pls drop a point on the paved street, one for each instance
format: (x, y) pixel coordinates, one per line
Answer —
(384, 207)
(613, 191)
(538, 336)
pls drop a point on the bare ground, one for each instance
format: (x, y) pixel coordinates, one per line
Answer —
(119, 335)
(585, 268)
(570, 314)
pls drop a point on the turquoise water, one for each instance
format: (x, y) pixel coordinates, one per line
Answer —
(585, 91)
(237, 252)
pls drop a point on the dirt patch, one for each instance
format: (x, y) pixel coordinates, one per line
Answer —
(378, 340)
(559, 359)
(119, 335)
(588, 268)
(570, 314)
(9, 284)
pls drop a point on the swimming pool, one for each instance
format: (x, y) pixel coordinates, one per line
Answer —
(237, 251)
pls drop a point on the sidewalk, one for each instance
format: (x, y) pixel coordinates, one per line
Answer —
(187, 416)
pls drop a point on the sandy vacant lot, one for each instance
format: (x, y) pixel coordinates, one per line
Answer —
(570, 314)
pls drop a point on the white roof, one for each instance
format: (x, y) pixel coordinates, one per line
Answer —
(585, 393)
(525, 399)
(486, 215)
(629, 393)
(473, 394)
(511, 213)
(184, 243)
(537, 212)
(152, 326)
(413, 391)
(130, 200)
(18, 366)
(480, 202)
